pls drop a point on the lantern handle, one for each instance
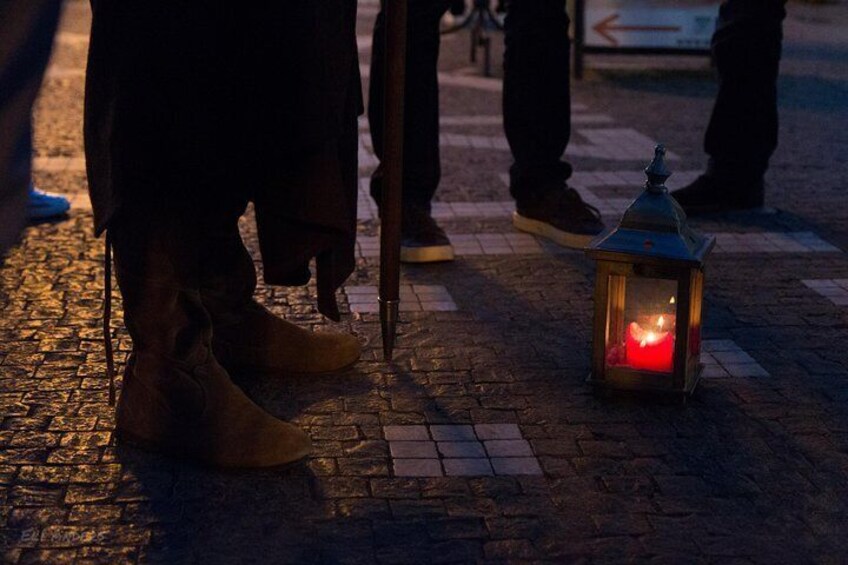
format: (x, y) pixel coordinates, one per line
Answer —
(657, 171)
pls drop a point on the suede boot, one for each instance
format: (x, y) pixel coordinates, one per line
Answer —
(246, 335)
(176, 398)
(261, 341)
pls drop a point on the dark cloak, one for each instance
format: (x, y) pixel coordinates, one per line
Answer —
(189, 100)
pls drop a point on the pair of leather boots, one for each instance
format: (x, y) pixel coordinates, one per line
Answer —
(188, 304)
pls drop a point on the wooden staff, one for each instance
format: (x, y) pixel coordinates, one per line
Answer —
(390, 208)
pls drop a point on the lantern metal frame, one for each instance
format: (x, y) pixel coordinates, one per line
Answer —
(653, 241)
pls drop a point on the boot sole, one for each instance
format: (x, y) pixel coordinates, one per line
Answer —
(543, 229)
(434, 254)
(131, 440)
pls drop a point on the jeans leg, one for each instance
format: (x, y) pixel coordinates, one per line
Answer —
(421, 164)
(537, 97)
(742, 133)
(26, 38)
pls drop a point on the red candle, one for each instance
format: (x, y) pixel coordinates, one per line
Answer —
(650, 350)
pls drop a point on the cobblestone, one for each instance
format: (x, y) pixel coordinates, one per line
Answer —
(492, 353)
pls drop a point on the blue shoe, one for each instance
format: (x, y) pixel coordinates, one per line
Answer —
(43, 206)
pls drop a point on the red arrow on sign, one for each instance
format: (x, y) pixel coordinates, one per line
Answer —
(605, 27)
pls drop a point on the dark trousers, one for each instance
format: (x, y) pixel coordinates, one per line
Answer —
(421, 166)
(742, 133)
(536, 100)
(26, 37)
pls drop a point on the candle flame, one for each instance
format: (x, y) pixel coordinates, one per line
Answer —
(660, 322)
(672, 301)
(650, 337)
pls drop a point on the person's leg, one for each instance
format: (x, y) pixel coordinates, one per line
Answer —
(26, 38)
(537, 123)
(742, 132)
(176, 398)
(421, 166)
(537, 96)
(423, 240)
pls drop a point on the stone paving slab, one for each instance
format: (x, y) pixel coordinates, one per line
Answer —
(835, 290)
(517, 243)
(723, 358)
(773, 242)
(413, 298)
(367, 208)
(461, 450)
(586, 185)
(497, 120)
(469, 244)
(616, 144)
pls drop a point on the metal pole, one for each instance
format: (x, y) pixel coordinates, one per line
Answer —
(390, 209)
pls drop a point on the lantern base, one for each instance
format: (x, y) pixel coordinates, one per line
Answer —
(633, 383)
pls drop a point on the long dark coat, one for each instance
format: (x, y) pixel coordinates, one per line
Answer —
(189, 100)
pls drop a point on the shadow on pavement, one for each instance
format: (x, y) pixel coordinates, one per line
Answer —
(280, 515)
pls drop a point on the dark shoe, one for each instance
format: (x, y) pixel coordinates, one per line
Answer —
(561, 216)
(709, 195)
(261, 341)
(422, 240)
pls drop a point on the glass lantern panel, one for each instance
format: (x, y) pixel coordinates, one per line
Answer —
(641, 328)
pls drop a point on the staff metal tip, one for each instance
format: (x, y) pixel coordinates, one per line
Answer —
(388, 324)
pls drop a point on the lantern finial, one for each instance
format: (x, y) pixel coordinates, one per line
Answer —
(657, 172)
(654, 225)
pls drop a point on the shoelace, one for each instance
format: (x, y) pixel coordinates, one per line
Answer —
(107, 319)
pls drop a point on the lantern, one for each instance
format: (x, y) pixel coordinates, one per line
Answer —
(649, 295)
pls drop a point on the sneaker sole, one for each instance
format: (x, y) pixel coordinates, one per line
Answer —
(434, 254)
(560, 237)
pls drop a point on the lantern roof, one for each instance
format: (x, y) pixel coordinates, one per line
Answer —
(654, 227)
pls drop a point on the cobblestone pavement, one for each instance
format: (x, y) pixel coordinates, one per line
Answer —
(482, 442)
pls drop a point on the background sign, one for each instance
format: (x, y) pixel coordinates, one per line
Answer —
(619, 24)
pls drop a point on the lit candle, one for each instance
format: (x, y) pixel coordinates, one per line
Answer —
(650, 350)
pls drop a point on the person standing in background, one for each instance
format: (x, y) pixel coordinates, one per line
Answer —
(537, 123)
(742, 132)
(26, 39)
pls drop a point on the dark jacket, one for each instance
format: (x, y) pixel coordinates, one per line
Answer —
(186, 100)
